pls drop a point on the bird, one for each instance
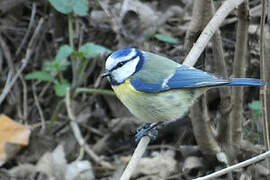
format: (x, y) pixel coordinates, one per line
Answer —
(156, 89)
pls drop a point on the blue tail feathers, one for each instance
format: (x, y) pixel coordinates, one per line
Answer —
(245, 82)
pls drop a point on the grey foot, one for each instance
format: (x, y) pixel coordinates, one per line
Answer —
(147, 129)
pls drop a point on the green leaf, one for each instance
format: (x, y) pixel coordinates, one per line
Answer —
(255, 105)
(61, 89)
(77, 54)
(166, 38)
(63, 6)
(40, 75)
(56, 66)
(81, 7)
(92, 50)
(63, 52)
(60, 63)
(245, 131)
(64, 65)
(52, 66)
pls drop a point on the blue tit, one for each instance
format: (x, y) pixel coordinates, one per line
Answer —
(157, 89)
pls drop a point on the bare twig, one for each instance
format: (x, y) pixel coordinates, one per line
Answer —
(239, 165)
(114, 20)
(7, 55)
(203, 132)
(93, 90)
(30, 25)
(8, 80)
(78, 135)
(14, 79)
(43, 124)
(264, 47)
(200, 18)
(201, 126)
(25, 104)
(225, 106)
(223, 122)
(209, 30)
(238, 71)
(24, 61)
(265, 65)
(138, 153)
(35, 36)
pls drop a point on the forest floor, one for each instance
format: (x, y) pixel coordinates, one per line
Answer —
(31, 36)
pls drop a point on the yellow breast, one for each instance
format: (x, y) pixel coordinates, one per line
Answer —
(155, 107)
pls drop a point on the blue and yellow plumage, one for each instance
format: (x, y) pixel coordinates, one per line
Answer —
(155, 88)
(154, 107)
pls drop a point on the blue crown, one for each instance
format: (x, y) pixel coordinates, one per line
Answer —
(121, 53)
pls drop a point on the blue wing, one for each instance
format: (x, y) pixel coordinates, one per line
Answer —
(160, 74)
(183, 77)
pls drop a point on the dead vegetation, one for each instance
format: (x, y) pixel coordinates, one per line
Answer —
(89, 134)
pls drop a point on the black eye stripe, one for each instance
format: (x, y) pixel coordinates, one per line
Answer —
(120, 64)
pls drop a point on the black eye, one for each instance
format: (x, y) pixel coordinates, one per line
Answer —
(120, 64)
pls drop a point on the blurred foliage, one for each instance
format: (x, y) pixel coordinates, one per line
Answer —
(52, 70)
(79, 7)
(91, 50)
(256, 107)
(166, 38)
(257, 129)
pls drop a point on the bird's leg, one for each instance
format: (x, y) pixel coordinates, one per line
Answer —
(147, 129)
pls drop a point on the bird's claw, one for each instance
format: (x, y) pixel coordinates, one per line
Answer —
(147, 129)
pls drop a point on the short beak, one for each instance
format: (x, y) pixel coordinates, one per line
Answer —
(106, 73)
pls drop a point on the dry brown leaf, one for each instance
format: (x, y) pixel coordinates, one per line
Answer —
(11, 132)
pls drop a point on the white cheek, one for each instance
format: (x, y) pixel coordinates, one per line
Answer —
(121, 74)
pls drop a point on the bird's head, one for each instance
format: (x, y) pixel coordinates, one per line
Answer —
(122, 64)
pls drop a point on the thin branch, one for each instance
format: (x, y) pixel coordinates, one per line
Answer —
(209, 30)
(25, 104)
(114, 20)
(265, 64)
(97, 91)
(70, 30)
(30, 26)
(14, 79)
(24, 61)
(202, 130)
(200, 123)
(225, 103)
(239, 165)
(60, 105)
(8, 80)
(78, 135)
(7, 54)
(200, 18)
(43, 124)
(137, 155)
(264, 45)
(238, 71)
